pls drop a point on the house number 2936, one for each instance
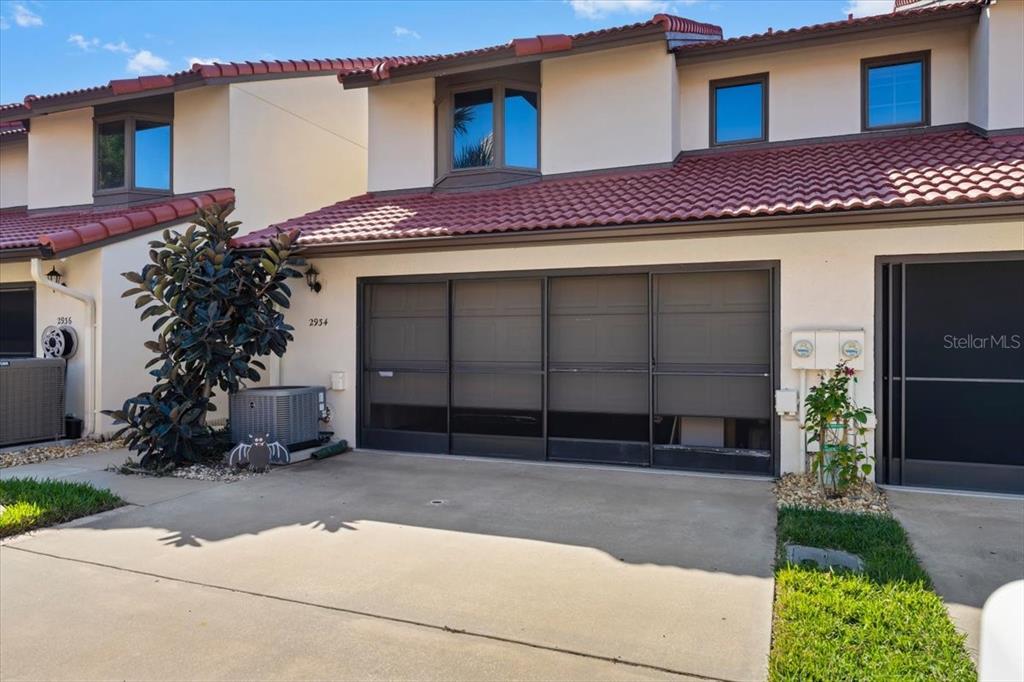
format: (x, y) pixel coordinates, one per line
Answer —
(318, 322)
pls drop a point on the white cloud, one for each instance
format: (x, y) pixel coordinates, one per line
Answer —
(83, 43)
(118, 47)
(597, 9)
(144, 62)
(202, 60)
(865, 8)
(403, 32)
(25, 17)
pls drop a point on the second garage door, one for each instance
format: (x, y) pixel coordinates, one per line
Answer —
(666, 367)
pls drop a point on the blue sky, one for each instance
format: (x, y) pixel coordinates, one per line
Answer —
(50, 45)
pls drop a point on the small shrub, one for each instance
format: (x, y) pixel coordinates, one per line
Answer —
(838, 426)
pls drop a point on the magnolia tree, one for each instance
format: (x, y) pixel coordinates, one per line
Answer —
(215, 311)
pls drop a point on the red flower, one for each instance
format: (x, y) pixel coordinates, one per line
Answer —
(848, 371)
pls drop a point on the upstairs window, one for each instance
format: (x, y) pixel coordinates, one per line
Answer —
(739, 109)
(494, 127)
(895, 91)
(133, 154)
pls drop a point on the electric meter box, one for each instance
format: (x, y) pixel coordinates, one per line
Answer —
(826, 348)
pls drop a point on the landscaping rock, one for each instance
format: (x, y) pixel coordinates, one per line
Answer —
(195, 472)
(803, 490)
(42, 453)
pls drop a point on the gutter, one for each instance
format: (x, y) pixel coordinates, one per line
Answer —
(90, 316)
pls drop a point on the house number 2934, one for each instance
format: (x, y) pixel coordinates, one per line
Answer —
(318, 322)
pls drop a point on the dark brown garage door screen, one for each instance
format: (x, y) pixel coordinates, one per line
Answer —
(667, 367)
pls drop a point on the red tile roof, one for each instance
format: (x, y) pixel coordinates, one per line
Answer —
(198, 74)
(57, 231)
(12, 128)
(893, 18)
(526, 46)
(880, 172)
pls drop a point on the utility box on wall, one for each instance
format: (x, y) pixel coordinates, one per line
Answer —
(825, 348)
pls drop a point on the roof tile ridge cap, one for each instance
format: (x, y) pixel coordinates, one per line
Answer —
(667, 21)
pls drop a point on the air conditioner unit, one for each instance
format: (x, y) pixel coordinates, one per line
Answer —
(289, 415)
(31, 400)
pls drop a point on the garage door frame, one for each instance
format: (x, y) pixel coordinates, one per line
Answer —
(772, 267)
(888, 464)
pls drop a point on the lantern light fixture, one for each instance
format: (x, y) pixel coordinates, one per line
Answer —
(55, 276)
(311, 279)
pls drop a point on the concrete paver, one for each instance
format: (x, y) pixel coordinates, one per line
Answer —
(970, 545)
(670, 572)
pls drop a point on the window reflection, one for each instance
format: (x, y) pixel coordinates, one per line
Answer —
(110, 155)
(895, 94)
(152, 155)
(473, 129)
(521, 128)
(739, 114)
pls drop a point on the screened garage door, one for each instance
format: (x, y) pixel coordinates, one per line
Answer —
(668, 368)
(953, 373)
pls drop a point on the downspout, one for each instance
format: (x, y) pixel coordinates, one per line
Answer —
(90, 322)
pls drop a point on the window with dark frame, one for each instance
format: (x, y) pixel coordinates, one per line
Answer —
(18, 312)
(895, 91)
(739, 109)
(494, 127)
(133, 154)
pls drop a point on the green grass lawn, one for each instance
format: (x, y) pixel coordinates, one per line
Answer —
(883, 624)
(29, 504)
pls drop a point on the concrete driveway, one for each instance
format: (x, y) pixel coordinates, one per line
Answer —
(379, 566)
(970, 544)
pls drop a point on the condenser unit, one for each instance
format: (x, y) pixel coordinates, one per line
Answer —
(31, 400)
(289, 415)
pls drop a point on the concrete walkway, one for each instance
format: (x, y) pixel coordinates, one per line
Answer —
(91, 468)
(970, 545)
(376, 566)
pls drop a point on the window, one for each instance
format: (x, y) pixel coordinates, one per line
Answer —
(493, 127)
(739, 109)
(133, 154)
(18, 312)
(895, 91)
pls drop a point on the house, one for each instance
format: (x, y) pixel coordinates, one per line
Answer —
(89, 176)
(637, 246)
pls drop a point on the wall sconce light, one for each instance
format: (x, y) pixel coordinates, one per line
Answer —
(55, 276)
(311, 279)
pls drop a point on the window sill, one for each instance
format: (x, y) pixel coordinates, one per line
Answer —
(113, 197)
(486, 178)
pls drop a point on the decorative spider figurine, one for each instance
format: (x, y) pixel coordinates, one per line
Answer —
(258, 454)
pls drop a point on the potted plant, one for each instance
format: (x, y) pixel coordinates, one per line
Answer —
(838, 426)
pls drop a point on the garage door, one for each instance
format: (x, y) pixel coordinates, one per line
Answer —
(953, 374)
(666, 367)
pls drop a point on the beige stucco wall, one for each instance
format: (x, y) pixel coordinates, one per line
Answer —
(297, 144)
(826, 279)
(815, 91)
(202, 146)
(14, 173)
(401, 135)
(997, 67)
(60, 155)
(608, 108)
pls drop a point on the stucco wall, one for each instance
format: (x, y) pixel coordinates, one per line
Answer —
(297, 144)
(60, 155)
(401, 135)
(14, 174)
(1002, 29)
(201, 141)
(826, 279)
(815, 91)
(608, 108)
